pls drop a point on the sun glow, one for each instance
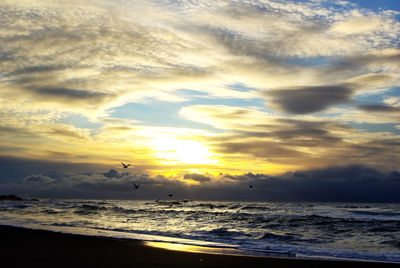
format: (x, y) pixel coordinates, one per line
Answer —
(176, 151)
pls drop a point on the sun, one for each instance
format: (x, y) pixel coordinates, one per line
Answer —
(175, 151)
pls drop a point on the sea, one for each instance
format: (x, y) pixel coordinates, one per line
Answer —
(356, 231)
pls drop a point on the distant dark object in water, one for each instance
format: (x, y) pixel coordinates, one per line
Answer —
(136, 186)
(170, 195)
(158, 200)
(250, 186)
(125, 166)
(11, 197)
(35, 199)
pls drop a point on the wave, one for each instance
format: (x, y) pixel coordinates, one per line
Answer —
(223, 232)
(89, 209)
(279, 237)
(376, 213)
(85, 212)
(253, 225)
(50, 211)
(389, 227)
(262, 208)
(92, 207)
(71, 224)
(209, 205)
(352, 206)
(63, 224)
(392, 242)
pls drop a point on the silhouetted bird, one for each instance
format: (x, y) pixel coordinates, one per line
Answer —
(250, 186)
(170, 195)
(125, 166)
(136, 186)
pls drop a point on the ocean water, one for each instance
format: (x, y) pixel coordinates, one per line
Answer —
(317, 230)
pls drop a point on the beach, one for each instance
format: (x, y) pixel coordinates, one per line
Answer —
(22, 247)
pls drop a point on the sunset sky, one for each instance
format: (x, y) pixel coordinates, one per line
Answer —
(196, 93)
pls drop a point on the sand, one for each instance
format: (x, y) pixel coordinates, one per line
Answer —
(22, 247)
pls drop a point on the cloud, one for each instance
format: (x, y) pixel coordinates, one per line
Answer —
(72, 95)
(348, 183)
(392, 101)
(14, 169)
(364, 116)
(65, 66)
(144, 49)
(379, 108)
(37, 180)
(305, 141)
(119, 128)
(225, 116)
(112, 173)
(5, 129)
(304, 100)
(319, 131)
(75, 63)
(273, 151)
(196, 177)
(376, 65)
(358, 25)
(353, 183)
(67, 131)
(372, 80)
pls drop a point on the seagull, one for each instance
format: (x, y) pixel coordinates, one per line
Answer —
(136, 186)
(125, 166)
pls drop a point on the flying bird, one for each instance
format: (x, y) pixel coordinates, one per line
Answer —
(136, 186)
(250, 186)
(125, 166)
(170, 195)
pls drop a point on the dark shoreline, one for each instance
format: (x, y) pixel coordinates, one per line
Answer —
(21, 247)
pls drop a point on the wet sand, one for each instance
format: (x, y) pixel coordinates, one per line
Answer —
(22, 247)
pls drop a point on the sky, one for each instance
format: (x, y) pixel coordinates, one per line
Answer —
(299, 98)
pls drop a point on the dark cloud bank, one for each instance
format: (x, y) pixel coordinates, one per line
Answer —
(354, 183)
